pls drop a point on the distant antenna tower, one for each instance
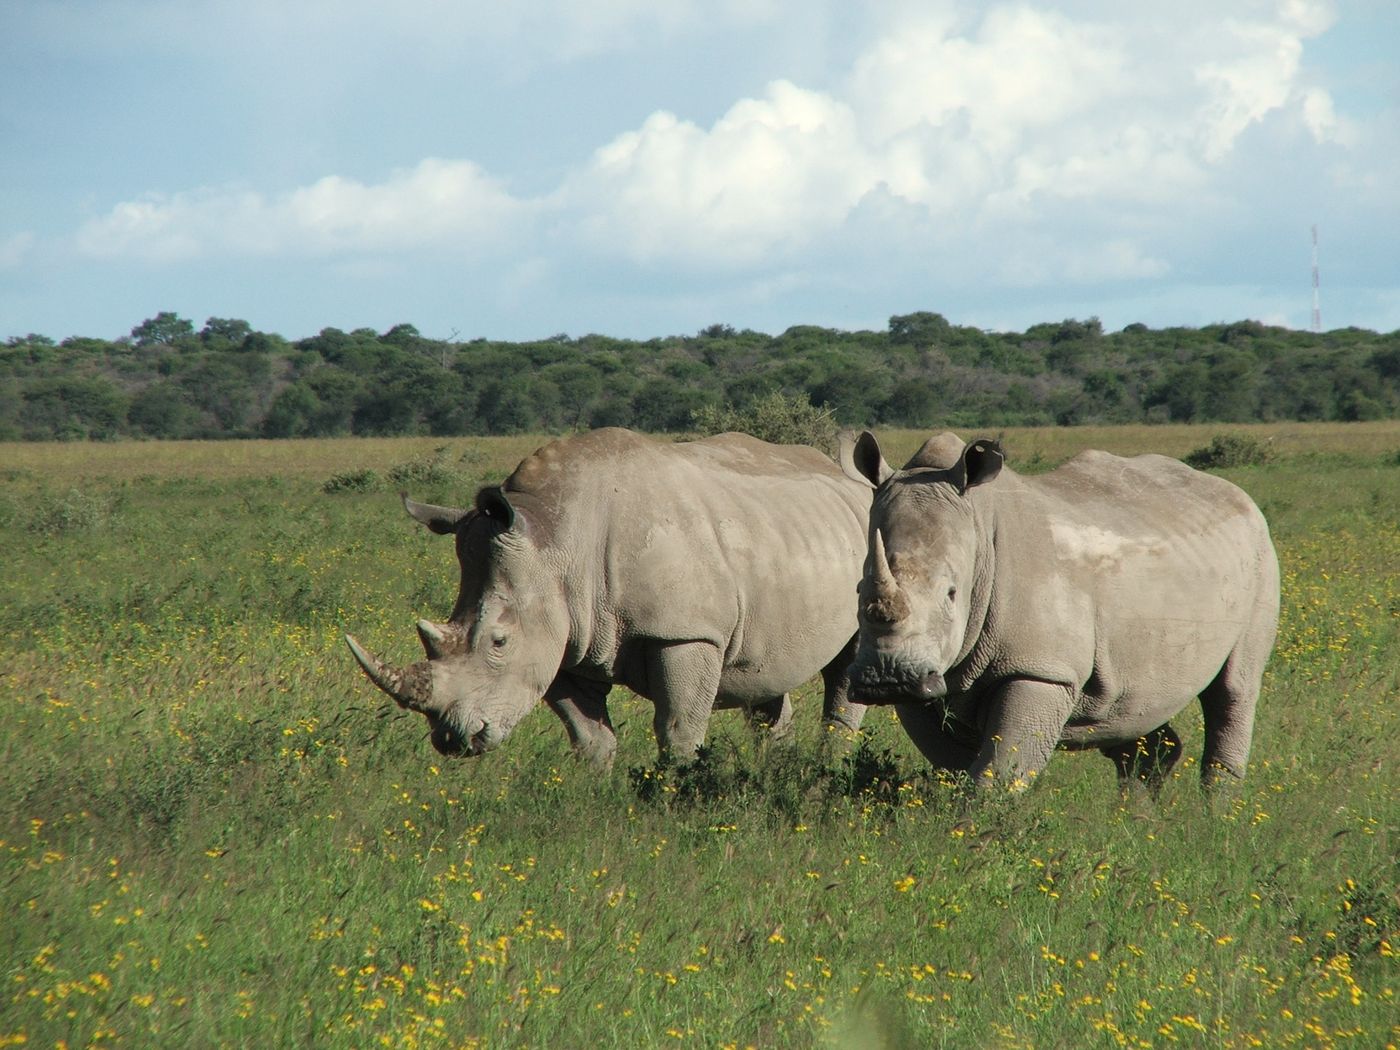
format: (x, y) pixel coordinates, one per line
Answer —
(1317, 287)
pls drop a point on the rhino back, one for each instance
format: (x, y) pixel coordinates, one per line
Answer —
(1131, 578)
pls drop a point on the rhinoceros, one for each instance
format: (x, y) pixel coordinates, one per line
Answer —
(1082, 608)
(714, 573)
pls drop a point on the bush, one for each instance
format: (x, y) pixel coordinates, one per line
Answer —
(351, 481)
(434, 470)
(74, 511)
(437, 469)
(1231, 450)
(775, 417)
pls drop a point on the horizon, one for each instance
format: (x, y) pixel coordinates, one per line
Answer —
(461, 340)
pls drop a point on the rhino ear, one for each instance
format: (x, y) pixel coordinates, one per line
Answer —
(492, 502)
(981, 462)
(441, 520)
(861, 459)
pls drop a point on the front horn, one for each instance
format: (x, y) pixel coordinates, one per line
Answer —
(411, 687)
(886, 588)
(887, 604)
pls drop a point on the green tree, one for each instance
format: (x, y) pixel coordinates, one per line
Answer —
(664, 405)
(160, 411)
(580, 387)
(292, 412)
(72, 409)
(164, 328)
(919, 329)
(222, 333)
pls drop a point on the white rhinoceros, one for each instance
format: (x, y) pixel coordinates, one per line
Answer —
(715, 573)
(1082, 608)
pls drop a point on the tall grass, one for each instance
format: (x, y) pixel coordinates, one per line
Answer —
(216, 834)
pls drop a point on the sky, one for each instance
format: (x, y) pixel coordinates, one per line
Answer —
(644, 168)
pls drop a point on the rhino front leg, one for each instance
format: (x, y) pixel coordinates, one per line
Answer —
(774, 716)
(583, 707)
(837, 710)
(682, 680)
(1023, 722)
(927, 727)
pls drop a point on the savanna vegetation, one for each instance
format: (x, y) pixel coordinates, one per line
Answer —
(168, 380)
(216, 833)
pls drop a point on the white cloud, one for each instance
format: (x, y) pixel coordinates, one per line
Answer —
(771, 173)
(1257, 78)
(999, 127)
(438, 203)
(15, 249)
(1007, 129)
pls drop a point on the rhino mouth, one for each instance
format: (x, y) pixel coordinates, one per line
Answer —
(450, 741)
(883, 681)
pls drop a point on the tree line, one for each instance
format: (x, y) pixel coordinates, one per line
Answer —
(226, 380)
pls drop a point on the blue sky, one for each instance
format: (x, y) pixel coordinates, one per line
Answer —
(641, 168)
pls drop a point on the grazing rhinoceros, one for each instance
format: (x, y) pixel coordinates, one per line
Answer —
(715, 573)
(1082, 608)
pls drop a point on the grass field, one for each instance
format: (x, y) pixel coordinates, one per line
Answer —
(217, 833)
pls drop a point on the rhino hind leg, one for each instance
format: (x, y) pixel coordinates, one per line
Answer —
(1148, 759)
(1229, 702)
(838, 711)
(773, 717)
(1227, 705)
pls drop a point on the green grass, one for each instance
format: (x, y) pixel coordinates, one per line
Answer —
(217, 834)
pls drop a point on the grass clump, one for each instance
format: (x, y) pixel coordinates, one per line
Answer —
(1231, 450)
(436, 470)
(72, 511)
(776, 417)
(351, 481)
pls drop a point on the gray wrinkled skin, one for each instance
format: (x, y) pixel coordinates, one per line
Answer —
(1079, 609)
(714, 573)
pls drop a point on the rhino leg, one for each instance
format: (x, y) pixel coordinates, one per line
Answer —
(773, 716)
(682, 680)
(928, 728)
(837, 710)
(1024, 721)
(1149, 759)
(1228, 703)
(583, 707)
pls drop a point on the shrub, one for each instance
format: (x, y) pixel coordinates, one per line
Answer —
(1231, 450)
(775, 417)
(351, 481)
(73, 511)
(434, 470)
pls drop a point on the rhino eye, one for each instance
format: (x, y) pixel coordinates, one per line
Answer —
(952, 593)
(498, 641)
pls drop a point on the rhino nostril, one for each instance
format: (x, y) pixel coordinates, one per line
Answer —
(448, 741)
(932, 686)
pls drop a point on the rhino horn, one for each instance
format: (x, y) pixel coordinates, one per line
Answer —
(433, 637)
(411, 687)
(885, 585)
(887, 604)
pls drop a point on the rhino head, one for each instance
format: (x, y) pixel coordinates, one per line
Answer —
(917, 592)
(489, 664)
